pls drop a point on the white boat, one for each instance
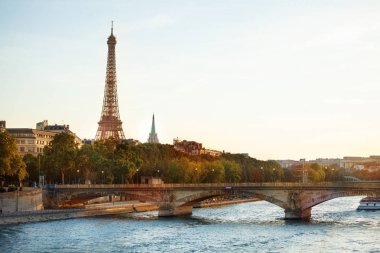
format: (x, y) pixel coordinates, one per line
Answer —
(369, 203)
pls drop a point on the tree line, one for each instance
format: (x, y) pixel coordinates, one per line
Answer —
(110, 162)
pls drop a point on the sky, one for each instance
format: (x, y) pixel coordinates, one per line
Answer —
(276, 79)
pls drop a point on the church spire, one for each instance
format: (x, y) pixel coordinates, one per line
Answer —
(153, 135)
(153, 129)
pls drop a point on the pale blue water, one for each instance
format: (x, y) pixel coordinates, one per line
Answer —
(336, 226)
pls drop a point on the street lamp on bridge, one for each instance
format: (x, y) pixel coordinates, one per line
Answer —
(78, 176)
(137, 174)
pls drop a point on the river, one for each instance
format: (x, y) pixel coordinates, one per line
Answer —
(336, 226)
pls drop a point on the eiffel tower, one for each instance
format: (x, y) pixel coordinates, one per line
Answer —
(110, 123)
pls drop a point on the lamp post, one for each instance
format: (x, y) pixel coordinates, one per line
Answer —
(39, 170)
(78, 176)
(102, 176)
(137, 175)
(333, 173)
(262, 174)
(274, 169)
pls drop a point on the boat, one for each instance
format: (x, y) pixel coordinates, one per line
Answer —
(369, 203)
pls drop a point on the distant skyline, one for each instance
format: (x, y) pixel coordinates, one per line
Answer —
(275, 79)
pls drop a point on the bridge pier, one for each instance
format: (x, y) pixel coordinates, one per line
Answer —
(175, 211)
(298, 214)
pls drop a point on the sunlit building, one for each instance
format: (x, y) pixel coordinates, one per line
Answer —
(193, 148)
(33, 141)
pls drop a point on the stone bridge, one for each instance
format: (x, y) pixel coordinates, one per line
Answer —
(297, 199)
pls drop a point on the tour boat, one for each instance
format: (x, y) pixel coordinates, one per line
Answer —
(369, 203)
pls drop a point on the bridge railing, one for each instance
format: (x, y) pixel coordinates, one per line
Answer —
(216, 185)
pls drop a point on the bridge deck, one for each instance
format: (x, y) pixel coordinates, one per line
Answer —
(231, 186)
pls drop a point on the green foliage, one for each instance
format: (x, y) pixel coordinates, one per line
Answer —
(11, 164)
(178, 171)
(232, 171)
(59, 156)
(112, 162)
(32, 167)
(316, 173)
(20, 168)
(214, 171)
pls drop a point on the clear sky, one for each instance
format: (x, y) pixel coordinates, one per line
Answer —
(275, 79)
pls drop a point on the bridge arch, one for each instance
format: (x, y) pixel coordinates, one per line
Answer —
(196, 198)
(314, 201)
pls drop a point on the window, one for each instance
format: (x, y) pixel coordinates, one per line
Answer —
(22, 141)
(22, 149)
(30, 141)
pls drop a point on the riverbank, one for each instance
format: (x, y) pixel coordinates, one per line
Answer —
(61, 214)
(99, 210)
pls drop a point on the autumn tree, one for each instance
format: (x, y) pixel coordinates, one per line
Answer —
(11, 164)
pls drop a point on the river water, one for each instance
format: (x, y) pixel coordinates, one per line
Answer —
(336, 226)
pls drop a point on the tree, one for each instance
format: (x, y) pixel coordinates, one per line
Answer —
(316, 173)
(102, 159)
(214, 172)
(84, 162)
(127, 164)
(60, 156)
(11, 163)
(179, 171)
(32, 167)
(232, 171)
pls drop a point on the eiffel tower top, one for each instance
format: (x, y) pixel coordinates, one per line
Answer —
(111, 38)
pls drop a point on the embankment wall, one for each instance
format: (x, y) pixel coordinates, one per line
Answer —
(29, 199)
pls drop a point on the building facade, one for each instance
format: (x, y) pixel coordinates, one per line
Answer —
(358, 163)
(32, 141)
(193, 148)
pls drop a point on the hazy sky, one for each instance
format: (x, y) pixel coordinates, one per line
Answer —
(275, 79)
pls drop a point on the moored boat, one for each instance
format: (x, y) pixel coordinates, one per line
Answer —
(369, 203)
